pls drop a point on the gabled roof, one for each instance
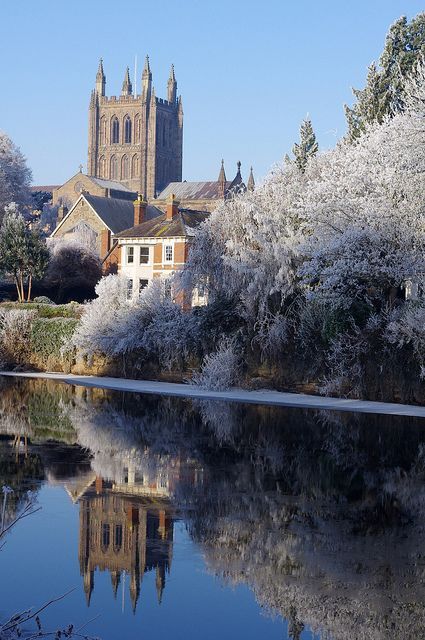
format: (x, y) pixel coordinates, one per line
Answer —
(115, 213)
(193, 190)
(182, 224)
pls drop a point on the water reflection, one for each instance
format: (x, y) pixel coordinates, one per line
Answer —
(125, 536)
(322, 515)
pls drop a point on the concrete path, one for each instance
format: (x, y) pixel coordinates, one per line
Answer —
(279, 398)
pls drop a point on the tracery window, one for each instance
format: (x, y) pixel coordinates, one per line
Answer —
(115, 130)
(137, 127)
(102, 167)
(135, 166)
(125, 168)
(103, 130)
(114, 168)
(127, 129)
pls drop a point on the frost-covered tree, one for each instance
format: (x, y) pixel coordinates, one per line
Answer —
(384, 93)
(23, 253)
(15, 176)
(73, 269)
(307, 147)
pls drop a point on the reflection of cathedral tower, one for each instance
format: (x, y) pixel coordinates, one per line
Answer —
(120, 534)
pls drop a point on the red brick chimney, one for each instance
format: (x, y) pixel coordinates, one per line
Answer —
(172, 207)
(139, 210)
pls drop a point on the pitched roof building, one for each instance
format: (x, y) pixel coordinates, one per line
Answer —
(205, 196)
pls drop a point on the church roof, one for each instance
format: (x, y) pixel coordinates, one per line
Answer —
(117, 214)
(110, 184)
(193, 190)
(182, 224)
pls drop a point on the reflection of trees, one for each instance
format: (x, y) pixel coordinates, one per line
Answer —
(321, 514)
(334, 538)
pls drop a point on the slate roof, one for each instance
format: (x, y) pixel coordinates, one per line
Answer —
(110, 184)
(182, 224)
(192, 190)
(117, 214)
(46, 188)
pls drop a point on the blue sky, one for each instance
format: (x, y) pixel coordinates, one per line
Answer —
(248, 72)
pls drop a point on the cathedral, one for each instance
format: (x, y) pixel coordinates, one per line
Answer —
(136, 139)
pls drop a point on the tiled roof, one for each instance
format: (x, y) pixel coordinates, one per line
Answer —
(183, 224)
(192, 190)
(117, 214)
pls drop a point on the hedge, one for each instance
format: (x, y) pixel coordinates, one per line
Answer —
(48, 336)
(71, 310)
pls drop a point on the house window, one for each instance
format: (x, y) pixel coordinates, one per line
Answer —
(168, 253)
(168, 290)
(144, 255)
(129, 289)
(130, 255)
(143, 284)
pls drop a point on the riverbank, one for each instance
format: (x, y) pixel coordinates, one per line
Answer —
(277, 398)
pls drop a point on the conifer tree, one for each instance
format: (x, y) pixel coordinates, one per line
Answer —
(23, 254)
(383, 94)
(307, 148)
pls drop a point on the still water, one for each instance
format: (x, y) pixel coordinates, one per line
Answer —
(183, 519)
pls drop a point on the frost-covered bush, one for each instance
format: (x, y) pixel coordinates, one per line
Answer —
(220, 370)
(43, 300)
(15, 331)
(50, 339)
(406, 328)
(104, 318)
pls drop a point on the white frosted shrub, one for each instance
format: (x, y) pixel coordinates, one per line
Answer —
(15, 334)
(220, 370)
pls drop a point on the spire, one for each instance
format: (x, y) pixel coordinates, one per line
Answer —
(172, 87)
(100, 79)
(127, 88)
(251, 182)
(237, 185)
(146, 81)
(222, 181)
(222, 174)
(160, 582)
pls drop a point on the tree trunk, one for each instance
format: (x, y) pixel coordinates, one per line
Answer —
(21, 286)
(17, 288)
(29, 288)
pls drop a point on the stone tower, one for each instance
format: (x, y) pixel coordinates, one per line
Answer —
(136, 139)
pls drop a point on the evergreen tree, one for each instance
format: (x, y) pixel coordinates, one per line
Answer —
(23, 254)
(307, 148)
(383, 94)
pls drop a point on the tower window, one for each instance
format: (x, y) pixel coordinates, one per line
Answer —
(127, 129)
(102, 167)
(115, 130)
(114, 168)
(125, 168)
(105, 536)
(118, 537)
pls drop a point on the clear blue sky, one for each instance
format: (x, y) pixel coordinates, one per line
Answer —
(248, 72)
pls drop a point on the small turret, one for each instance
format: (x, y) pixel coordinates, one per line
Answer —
(127, 88)
(146, 81)
(100, 79)
(172, 87)
(251, 182)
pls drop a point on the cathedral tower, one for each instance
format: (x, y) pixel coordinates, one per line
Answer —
(136, 139)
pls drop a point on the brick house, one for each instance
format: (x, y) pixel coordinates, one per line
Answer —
(157, 244)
